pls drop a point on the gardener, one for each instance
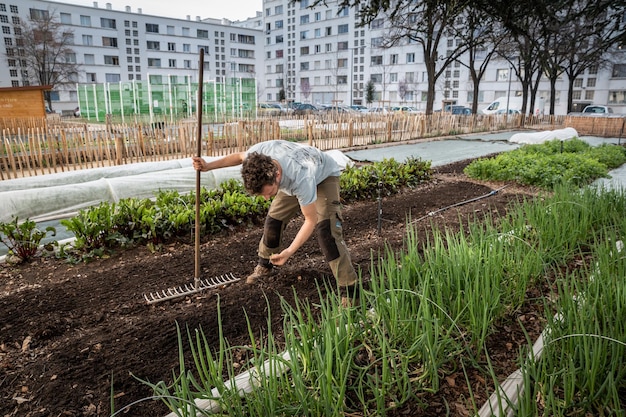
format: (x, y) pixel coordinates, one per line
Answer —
(298, 177)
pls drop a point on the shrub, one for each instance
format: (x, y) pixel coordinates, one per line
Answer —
(23, 239)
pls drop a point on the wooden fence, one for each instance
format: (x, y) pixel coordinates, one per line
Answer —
(51, 146)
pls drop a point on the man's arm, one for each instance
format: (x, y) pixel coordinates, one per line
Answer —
(308, 227)
(231, 160)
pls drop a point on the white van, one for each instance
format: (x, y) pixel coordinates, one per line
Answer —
(499, 105)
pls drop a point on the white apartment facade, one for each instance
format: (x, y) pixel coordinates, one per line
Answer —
(125, 45)
(297, 54)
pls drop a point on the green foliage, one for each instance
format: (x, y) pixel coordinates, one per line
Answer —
(549, 164)
(135, 221)
(171, 215)
(23, 239)
(388, 176)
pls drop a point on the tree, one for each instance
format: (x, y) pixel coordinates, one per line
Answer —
(370, 91)
(426, 23)
(45, 49)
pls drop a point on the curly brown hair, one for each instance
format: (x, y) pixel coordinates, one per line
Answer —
(258, 170)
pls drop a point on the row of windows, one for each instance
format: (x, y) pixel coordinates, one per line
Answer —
(3, 8)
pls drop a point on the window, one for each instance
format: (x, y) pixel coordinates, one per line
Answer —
(203, 34)
(304, 34)
(342, 28)
(6, 30)
(376, 78)
(153, 45)
(318, 16)
(304, 66)
(66, 18)
(172, 63)
(170, 30)
(278, 9)
(589, 95)
(342, 46)
(410, 58)
(304, 50)
(377, 24)
(154, 62)
(37, 14)
(109, 41)
(186, 47)
(377, 42)
(591, 82)
(111, 60)
(304, 19)
(619, 71)
(342, 79)
(393, 77)
(112, 78)
(502, 74)
(328, 31)
(87, 40)
(393, 59)
(342, 63)
(185, 31)
(377, 60)
(171, 46)
(187, 63)
(107, 23)
(152, 28)
(578, 82)
(90, 77)
(70, 57)
(90, 59)
(617, 97)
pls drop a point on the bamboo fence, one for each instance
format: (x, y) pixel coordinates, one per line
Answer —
(38, 147)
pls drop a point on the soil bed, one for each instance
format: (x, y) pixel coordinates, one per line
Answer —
(66, 330)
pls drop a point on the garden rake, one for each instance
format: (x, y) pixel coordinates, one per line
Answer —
(198, 284)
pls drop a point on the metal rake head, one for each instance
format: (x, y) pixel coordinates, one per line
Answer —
(190, 288)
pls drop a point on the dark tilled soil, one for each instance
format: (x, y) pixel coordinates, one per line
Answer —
(67, 331)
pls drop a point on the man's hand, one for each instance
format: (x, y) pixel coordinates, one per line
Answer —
(279, 259)
(198, 163)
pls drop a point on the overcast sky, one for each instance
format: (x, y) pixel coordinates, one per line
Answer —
(217, 9)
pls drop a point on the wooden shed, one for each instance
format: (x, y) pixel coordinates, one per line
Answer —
(17, 102)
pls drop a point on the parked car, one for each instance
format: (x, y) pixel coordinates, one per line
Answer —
(339, 109)
(406, 109)
(596, 109)
(511, 111)
(268, 109)
(301, 109)
(459, 110)
(379, 110)
(359, 108)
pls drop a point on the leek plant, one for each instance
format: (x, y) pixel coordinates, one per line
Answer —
(430, 310)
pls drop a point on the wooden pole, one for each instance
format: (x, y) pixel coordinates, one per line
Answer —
(199, 154)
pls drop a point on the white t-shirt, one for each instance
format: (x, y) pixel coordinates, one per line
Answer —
(303, 167)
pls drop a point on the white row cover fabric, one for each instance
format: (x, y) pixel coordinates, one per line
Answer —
(61, 195)
(529, 138)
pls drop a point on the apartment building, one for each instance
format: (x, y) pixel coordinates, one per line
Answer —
(296, 53)
(114, 46)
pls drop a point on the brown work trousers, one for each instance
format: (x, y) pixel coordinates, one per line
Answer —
(328, 229)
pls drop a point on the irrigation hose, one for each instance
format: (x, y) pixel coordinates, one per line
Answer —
(471, 200)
